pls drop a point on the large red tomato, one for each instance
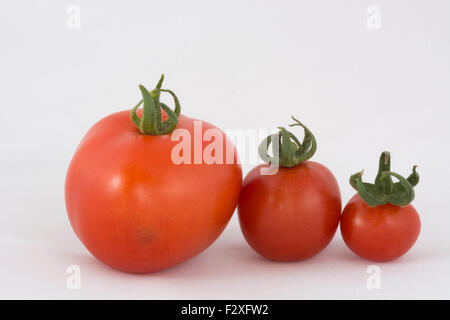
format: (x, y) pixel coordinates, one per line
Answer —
(294, 213)
(134, 208)
(378, 223)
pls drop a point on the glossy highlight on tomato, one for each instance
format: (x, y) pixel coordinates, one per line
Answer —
(135, 209)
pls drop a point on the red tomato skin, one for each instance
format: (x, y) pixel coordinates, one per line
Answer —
(292, 215)
(137, 211)
(380, 233)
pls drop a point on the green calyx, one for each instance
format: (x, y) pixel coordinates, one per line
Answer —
(287, 150)
(384, 190)
(150, 122)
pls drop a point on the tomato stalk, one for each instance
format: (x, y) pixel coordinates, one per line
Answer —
(150, 123)
(384, 190)
(287, 150)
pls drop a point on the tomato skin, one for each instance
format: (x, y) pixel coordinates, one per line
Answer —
(136, 210)
(380, 233)
(292, 215)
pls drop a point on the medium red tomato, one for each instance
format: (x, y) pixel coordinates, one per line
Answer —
(379, 224)
(134, 208)
(294, 213)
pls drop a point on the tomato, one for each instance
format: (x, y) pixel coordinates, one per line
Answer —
(293, 214)
(378, 223)
(134, 208)
(380, 233)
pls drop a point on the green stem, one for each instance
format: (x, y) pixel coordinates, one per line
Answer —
(384, 190)
(287, 150)
(151, 122)
(383, 166)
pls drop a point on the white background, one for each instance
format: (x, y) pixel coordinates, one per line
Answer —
(237, 64)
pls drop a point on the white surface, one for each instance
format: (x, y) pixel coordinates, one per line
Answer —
(237, 64)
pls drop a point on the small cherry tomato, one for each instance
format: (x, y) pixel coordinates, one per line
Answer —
(378, 223)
